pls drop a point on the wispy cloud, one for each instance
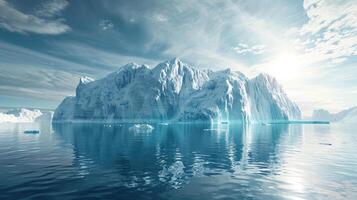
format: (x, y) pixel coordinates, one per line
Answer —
(106, 25)
(104, 60)
(27, 73)
(47, 84)
(40, 22)
(19, 56)
(51, 8)
(330, 35)
(160, 17)
(242, 48)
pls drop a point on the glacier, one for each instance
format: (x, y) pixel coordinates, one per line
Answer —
(175, 91)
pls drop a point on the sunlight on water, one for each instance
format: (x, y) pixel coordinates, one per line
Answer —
(182, 161)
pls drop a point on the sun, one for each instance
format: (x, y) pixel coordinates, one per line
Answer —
(285, 67)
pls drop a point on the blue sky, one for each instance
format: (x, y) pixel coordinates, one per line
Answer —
(309, 46)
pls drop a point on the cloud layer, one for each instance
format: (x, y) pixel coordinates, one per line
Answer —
(331, 32)
(40, 22)
(310, 45)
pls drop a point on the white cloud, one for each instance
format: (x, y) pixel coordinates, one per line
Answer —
(160, 17)
(339, 60)
(51, 8)
(242, 48)
(15, 20)
(331, 31)
(106, 25)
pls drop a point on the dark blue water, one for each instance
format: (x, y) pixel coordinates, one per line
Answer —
(96, 161)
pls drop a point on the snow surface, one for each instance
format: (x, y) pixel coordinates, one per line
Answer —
(175, 91)
(25, 115)
(348, 115)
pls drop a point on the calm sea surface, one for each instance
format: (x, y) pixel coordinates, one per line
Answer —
(183, 161)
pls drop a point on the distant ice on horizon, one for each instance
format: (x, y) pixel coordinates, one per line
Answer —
(23, 115)
(344, 116)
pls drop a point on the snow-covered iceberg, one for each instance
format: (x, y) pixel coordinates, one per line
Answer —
(175, 91)
(25, 115)
(348, 115)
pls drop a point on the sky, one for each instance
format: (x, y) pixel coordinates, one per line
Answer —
(309, 46)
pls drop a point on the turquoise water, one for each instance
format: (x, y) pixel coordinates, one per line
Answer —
(102, 161)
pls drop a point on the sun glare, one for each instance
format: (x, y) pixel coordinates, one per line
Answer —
(285, 67)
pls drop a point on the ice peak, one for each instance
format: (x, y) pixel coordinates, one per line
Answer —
(130, 68)
(227, 71)
(264, 76)
(175, 62)
(168, 66)
(85, 79)
(131, 65)
(267, 80)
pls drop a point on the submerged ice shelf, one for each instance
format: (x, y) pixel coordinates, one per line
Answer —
(177, 92)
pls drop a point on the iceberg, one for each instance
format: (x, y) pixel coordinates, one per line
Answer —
(141, 128)
(348, 115)
(176, 91)
(22, 115)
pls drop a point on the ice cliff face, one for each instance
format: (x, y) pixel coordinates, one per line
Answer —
(176, 91)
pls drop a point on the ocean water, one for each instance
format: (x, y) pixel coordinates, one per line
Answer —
(182, 161)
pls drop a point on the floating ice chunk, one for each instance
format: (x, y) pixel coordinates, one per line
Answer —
(141, 128)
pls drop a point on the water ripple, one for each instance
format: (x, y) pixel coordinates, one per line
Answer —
(86, 161)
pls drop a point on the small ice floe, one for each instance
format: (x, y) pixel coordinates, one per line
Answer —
(164, 124)
(32, 132)
(324, 143)
(141, 128)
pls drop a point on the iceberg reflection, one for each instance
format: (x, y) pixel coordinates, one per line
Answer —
(174, 154)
